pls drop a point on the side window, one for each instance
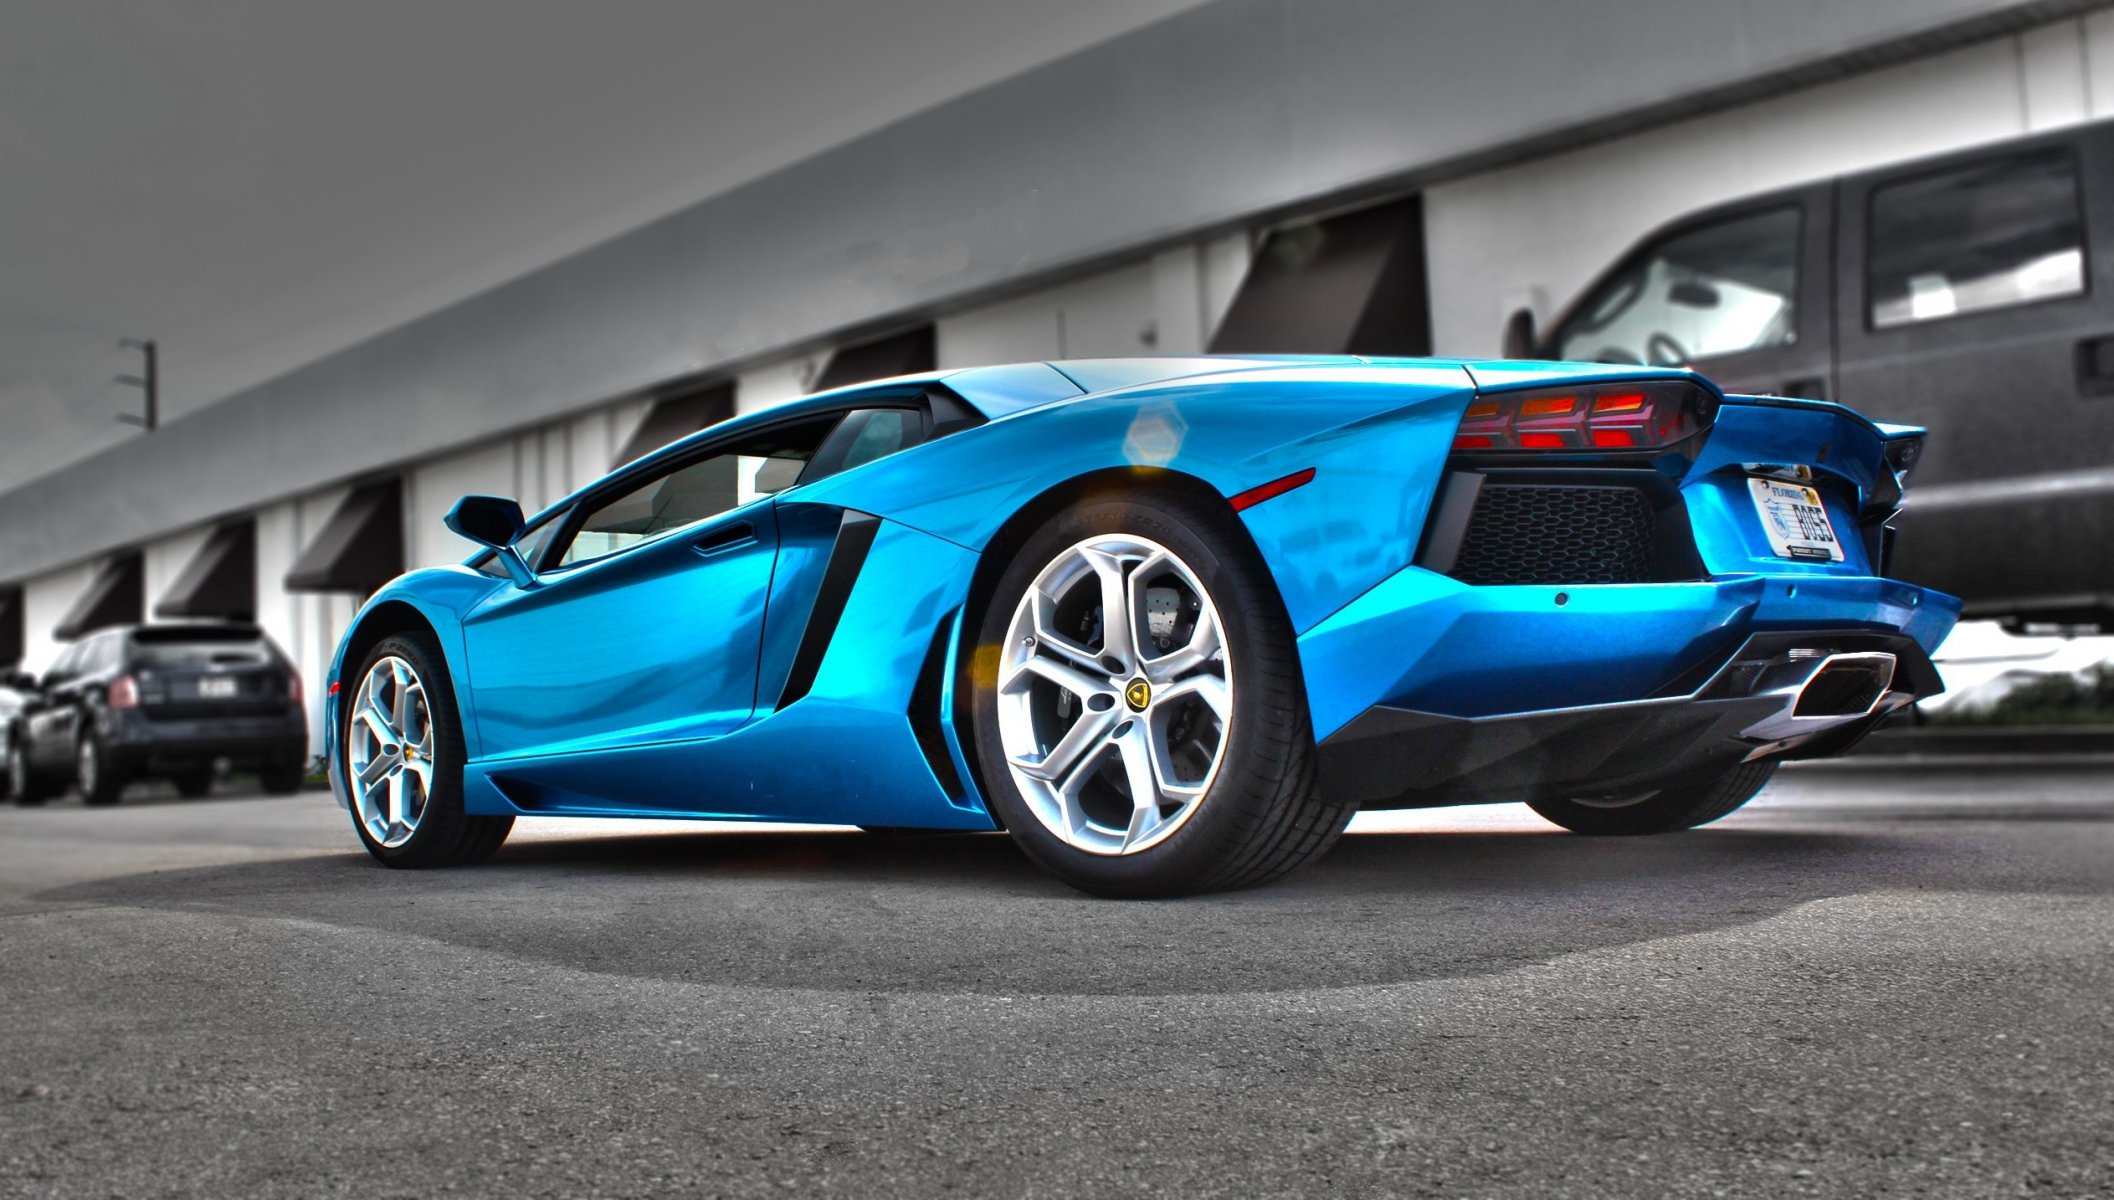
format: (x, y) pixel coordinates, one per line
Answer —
(1991, 235)
(68, 663)
(863, 436)
(1722, 288)
(693, 491)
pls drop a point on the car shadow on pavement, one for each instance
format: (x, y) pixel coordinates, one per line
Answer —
(860, 912)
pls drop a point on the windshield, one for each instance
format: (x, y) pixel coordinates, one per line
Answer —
(177, 648)
(1711, 290)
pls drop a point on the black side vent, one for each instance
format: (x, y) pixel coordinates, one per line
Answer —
(1532, 533)
(847, 557)
(925, 714)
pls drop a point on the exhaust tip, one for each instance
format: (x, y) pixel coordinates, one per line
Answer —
(1846, 685)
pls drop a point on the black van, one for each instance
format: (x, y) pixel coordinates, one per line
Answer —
(1972, 293)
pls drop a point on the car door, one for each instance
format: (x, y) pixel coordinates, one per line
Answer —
(1740, 293)
(646, 616)
(1976, 297)
(55, 715)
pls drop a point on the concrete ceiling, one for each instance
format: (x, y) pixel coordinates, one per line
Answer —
(256, 183)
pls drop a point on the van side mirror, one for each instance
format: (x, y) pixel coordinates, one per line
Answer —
(493, 521)
(1519, 334)
(19, 681)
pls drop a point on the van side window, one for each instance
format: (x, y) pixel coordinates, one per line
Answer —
(1991, 235)
(1708, 290)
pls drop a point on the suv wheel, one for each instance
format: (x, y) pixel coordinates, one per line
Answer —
(95, 775)
(23, 783)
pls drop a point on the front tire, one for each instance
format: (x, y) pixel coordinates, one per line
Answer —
(401, 742)
(1683, 805)
(1138, 707)
(28, 788)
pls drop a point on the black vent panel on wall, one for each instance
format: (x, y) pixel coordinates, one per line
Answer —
(220, 580)
(907, 353)
(116, 596)
(360, 548)
(678, 416)
(1348, 284)
(14, 628)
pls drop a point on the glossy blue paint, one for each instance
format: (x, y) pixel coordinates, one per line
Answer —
(648, 683)
(655, 644)
(843, 754)
(1375, 436)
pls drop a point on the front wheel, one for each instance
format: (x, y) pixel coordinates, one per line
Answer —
(1139, 711)
(1683, 805)
(403, 757)
(23, 784)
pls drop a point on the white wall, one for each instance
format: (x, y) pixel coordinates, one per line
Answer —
(1167, 303)
(1538, 232)
(432, 487)
(775, 383)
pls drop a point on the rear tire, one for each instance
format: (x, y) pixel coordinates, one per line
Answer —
(283, 780)
(1683, 805)
(1215, 724)
(99, 780)
(193, 784)
(402, 733)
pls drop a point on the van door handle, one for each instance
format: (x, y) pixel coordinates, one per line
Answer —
(2095, 364)
(726, 537)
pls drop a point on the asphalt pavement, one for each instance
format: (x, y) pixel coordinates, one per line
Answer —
(1880, 979)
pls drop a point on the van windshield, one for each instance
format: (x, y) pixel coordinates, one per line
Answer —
(1710, 290)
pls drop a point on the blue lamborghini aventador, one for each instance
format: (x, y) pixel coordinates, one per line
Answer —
(1168, 622)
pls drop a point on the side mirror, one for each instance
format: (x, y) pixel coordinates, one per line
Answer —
(493, 521)
(1519, 334)
(20, 681)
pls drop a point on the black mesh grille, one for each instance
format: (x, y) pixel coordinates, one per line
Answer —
(1541, 533)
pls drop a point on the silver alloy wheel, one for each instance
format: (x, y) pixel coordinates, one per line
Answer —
(85, 767)
(1115, 695)
(389, 751)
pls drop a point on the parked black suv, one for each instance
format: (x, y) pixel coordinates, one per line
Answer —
(162, 701)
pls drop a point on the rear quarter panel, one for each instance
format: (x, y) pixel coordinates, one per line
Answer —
(1376, 438)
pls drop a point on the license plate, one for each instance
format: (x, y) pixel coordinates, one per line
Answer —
(217, 688)
(1795, 520)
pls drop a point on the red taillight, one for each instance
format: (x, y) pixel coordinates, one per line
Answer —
(1628, 416)
(294, 694)
(124, 692)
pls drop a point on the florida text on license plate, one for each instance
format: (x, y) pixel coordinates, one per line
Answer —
(1795, 520)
